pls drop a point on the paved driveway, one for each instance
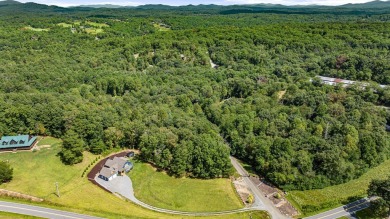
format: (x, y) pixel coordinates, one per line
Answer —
(121, 185)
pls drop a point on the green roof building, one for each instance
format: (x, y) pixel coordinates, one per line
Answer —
(19, 142)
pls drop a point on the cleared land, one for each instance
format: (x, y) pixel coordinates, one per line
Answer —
(183, 194)
(94, 24)
(35, 173)
(91, 30)
(161, 28)
(35, 29)
(64, 25)
(90, 27)
(312, 201)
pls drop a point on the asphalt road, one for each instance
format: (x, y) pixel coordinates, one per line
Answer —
(346, 210)
(261, 201)
(40, 211)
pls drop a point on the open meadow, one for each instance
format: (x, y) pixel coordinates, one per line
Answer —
(313, 201)
(183, 194)
(35, 173)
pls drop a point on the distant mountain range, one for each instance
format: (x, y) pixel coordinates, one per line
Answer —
(374, 7)
(373, 4)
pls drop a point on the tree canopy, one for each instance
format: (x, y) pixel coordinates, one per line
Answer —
(104, 78)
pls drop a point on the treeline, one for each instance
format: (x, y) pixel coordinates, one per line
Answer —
(135, 86)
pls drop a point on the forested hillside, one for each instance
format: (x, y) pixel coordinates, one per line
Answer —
(143, 78)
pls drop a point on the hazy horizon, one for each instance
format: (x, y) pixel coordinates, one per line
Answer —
(69, 3)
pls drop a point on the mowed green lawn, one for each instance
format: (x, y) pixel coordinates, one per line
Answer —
(35, 173)
(333, 196)
(184, 194)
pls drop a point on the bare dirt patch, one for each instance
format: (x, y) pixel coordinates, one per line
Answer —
(41, 146)
(242, 190)
(8, 193)
(270, 191)
(281, 94)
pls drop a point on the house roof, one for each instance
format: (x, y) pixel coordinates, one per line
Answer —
(107, 172)
(17, 141)
(116, 163)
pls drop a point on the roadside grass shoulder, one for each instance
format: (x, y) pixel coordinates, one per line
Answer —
(318, 200)
(36, 173)
(183, 194)
(7, 215)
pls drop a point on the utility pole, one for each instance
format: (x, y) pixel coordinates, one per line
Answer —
(58, 191)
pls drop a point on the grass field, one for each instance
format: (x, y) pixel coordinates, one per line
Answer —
(35, 173)
(48, 141)
(184, 194)
(7, 215)
(64, 25)
(333, 196)
(94, 24)
(91, 30)
(161, 28)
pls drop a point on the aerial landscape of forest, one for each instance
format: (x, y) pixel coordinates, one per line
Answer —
(187, 87)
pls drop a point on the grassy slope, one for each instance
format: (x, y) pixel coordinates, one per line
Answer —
(184, 194)
(340, 193)
(36, 172)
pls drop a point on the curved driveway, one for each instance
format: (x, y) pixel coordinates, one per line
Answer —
(123, 186)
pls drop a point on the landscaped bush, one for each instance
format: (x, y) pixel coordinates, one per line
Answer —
(6, 172)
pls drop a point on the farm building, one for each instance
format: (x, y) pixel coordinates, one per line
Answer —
(19, 142)
(114, 167)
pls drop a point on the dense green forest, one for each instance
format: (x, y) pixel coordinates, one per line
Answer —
(142, 78)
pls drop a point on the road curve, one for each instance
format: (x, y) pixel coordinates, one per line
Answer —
(41, 211)
(263, 202)
(346, 210)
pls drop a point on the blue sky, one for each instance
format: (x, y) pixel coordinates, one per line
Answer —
(66, 3)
